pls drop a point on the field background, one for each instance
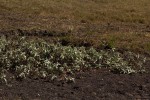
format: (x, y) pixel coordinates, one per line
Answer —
(48, 63)
(87, 20)
(94, 11)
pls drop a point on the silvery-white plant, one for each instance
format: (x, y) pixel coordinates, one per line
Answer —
(41, 59)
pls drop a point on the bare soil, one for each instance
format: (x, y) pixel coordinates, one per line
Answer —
(89, 85)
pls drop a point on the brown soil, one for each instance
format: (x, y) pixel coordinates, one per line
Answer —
(89, 85)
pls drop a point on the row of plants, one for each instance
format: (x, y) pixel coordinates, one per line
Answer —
(21, 58)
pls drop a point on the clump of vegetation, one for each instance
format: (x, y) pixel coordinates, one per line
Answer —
(24, 58)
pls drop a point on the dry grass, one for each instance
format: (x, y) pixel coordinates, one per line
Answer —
(135, 11)
(130, 41)
(137, 42)
(72, 14)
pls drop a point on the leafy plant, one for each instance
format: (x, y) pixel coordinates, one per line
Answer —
(30, 58)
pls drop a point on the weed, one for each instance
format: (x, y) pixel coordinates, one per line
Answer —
(36, 58)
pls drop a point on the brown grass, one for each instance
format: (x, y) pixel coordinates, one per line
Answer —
(136, 42)
(135, 11)
(73, 15)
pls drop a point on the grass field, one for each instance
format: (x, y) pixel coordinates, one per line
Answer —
(74, 49)
(128, 19)
(134, 11)
(102, 24)
(33, 13)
